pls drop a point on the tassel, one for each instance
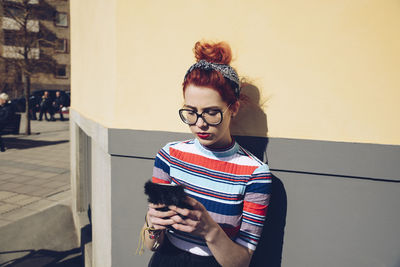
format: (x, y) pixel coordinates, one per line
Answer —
(140, 247)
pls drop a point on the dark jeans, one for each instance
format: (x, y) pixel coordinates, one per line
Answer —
(58, 110)
(44, 111)
(2, 147)
(170, 256)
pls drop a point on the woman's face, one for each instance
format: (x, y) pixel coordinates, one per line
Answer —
(201, 99)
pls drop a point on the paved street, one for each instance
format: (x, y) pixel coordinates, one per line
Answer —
(34, 171)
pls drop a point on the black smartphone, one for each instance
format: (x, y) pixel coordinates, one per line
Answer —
(167, 194)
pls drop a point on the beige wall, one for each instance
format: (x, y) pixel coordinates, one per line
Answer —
(93, 55)
(328, 70)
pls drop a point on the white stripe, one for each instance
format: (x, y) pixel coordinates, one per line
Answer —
(230, 202)
(187, 246)
(265, 181)
(245, 244)
(235, 158)
(209, 183)
(254, 216)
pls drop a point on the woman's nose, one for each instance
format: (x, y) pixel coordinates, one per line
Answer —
(200, 122)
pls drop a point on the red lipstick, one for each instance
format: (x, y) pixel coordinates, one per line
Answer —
(203, 135)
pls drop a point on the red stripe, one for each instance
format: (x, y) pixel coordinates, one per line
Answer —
(253, 220)
(205, 173)
(249, 238)
(159, 181)
(212, 164)
(260, 178)
(255, 208)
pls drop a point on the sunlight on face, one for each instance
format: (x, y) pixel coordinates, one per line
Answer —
(203, 98)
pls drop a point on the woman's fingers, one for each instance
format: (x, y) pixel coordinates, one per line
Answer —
(181, 211)
(157, 210)
(159, 223)
(161, 214)
(194, 214)
(184, 228)
(157, 218)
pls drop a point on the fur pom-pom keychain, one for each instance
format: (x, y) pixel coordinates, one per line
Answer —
(166, 194)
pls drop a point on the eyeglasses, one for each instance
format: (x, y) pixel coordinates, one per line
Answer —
(210, 116)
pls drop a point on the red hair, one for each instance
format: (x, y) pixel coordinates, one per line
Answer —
(216, 53)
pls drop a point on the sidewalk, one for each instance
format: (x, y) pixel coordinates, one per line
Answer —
(35, 171)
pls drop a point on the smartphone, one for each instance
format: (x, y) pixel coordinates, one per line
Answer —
(167, 194)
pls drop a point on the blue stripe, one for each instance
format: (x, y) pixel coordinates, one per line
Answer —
(248, 234)
(188, 239)
(220, 208)
(263, 188)
(249, 238)
(254, 216)
(159, 163)
(201, 190)
(209, 181)
(251, 222)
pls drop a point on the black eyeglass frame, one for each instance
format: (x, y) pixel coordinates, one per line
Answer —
(201, 115)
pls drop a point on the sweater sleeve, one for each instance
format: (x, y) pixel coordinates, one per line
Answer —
(162, 166)
(255, 205)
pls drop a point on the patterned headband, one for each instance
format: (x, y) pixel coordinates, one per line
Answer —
(226, 71)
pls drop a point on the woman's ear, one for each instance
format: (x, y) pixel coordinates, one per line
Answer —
(234, 108)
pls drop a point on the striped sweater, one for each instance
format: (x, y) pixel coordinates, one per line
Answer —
(232, 184)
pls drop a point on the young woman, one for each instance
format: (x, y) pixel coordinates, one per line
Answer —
(228, 187)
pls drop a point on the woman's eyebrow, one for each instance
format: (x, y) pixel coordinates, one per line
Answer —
(189, 106)
(206, 108)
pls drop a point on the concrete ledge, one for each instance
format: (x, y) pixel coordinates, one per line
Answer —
(88, 255)
(52, 229)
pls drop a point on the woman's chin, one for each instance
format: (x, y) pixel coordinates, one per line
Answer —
(213, 144)
(206, 142)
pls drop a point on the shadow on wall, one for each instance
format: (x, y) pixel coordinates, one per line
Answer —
(251, 119)
(250, 131)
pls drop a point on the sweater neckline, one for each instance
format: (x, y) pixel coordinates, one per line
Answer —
(219, 152)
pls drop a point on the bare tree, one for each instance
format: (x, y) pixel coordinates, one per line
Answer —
(28, 45)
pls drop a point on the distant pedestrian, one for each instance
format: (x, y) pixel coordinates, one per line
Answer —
(58, 104)
(33, 107)
(6, 113)
(46, 107)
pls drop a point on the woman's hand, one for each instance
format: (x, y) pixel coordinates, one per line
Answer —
(199, 222)
(157, 219)
(196, 221)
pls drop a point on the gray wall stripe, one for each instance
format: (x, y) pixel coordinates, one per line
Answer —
(345, 160)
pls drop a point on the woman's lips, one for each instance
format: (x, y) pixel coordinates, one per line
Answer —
(203, 135)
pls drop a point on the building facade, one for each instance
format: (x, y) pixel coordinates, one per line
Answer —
(326, 76)
(48, 43)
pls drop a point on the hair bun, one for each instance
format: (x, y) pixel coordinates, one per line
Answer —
(213, 52)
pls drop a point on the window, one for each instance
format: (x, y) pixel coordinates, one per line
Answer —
(13, 12)
(61, 46)
(17, 52)
(61, 71)
(61, 19)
